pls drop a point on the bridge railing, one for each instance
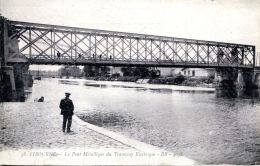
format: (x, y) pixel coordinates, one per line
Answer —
(41, 43)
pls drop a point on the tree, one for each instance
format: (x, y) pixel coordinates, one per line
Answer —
(73, 71)
(179, 79)
(127, 71)
(104, 70)
(91, 71)
(88, 70)
(141, 71)
(135, 71)
(154, 73)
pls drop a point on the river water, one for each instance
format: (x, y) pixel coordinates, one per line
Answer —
(200, 123)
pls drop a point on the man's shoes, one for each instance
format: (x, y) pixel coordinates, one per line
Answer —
(68, 131)
(63, 130)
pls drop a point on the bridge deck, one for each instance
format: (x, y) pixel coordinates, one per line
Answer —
(51, 44)
(131, 63)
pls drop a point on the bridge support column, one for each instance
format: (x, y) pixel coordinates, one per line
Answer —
(246, 79)
(234, 82)
(12, 78)
(7, 81)
(8, 89)
(12, 82)
(227, 82)
(256, 78)
(226, 77)
(237, 78)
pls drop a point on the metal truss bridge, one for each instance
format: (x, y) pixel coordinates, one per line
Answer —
(23, 42)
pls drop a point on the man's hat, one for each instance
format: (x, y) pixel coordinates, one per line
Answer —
(67, 93)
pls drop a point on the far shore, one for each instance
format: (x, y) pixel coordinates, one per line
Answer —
(188, 82)
(163, 80)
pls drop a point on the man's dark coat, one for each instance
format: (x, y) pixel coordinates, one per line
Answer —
(67, 107)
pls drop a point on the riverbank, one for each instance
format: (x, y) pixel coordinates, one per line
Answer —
(31, 134)
(175, 80)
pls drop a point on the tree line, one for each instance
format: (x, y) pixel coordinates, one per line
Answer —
(95, 71)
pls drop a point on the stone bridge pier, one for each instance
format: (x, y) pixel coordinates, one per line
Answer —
(229, 78)
(233, 82)
(13, 80)
(14, 77)
(256, 78)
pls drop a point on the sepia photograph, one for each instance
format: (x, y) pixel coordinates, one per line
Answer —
(129, 82)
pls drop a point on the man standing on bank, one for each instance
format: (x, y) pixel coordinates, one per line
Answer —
(67, 108)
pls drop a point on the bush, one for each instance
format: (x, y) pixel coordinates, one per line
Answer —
(115, 75)
(179, 79)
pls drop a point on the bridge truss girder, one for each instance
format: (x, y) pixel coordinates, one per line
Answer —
(50, 44)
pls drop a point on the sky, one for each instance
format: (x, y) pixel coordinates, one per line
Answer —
(236, 21)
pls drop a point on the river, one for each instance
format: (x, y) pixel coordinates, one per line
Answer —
(199, 123)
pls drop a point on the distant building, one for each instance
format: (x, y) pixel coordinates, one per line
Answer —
(176, 71)
(188, 72)
(165, 71)
(195, 72)
(114, 70)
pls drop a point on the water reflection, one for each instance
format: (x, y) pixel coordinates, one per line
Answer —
(164, 90)
(110, 86)
(249, 93)
(167, 90)
(95, 85)
(27, 93)
(237, 93)
(69, 82)
(124, 86)
(107, 119)
(226, 93)
(196, 91)
(139, 88)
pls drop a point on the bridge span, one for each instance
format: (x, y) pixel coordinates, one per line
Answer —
(34, 43)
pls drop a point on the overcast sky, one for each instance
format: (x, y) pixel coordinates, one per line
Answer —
(236, 21)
